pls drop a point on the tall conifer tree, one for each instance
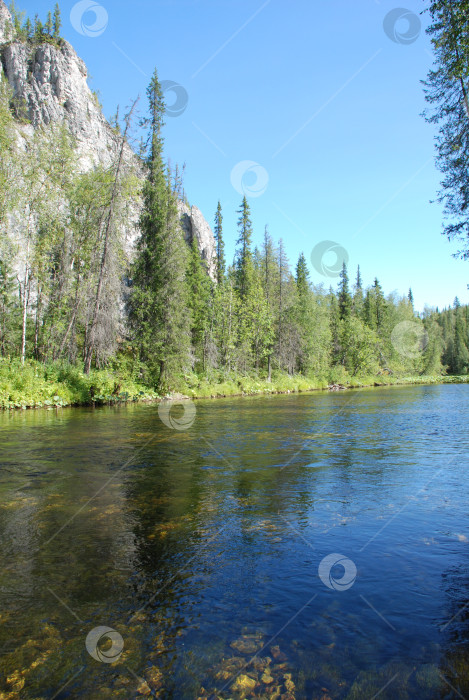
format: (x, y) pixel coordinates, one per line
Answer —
(220, 245)
(159, 300)
(244, 269)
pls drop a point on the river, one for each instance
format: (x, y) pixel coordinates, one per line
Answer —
(302, 546)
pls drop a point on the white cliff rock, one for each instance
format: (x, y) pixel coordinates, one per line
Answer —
(49, 84)
(6, 27)
(195, 226)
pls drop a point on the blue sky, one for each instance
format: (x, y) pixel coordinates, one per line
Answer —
(314, 92)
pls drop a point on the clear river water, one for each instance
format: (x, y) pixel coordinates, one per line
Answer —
(284, 547)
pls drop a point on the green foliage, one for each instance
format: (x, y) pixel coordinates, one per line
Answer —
(60, 384)
(220, 250)
(199, 301)
(447, 90)
(454, 327)
(345, 300)
(244, 266)
(7, 153)
(57, 23)
(361, 347)
(37, 33)
(158, 305)
(259, 326)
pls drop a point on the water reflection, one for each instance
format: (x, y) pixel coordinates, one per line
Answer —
(202, 548)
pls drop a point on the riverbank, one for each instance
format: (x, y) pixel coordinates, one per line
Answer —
(34, 385)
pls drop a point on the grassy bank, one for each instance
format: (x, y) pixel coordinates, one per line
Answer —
(34, 385)
(284, 383)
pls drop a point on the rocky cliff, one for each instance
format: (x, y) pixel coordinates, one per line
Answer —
(49, 83)
(6, 28)
(195, 226)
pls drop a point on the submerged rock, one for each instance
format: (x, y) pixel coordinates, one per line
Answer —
(244, 683)
(267, 678)
(247, 644)
(277, 654)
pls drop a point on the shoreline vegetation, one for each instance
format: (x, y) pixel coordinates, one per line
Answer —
(34, 385)
(85, 320)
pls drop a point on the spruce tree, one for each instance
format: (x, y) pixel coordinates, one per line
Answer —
(268, 275)
(357, 303)
(244, 268)
(159, 300)
(220, 245)
(358, 282)
(17, 18)
(380, 305)
(304, 314)
(460, 364)
(345, 300)
(57, 22)
(302, 277)
(48, 25)
(284, 298)
(334, 322)
(38, 30)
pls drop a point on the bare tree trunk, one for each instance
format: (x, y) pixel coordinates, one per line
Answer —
(36, 330)
(72, 320)
(97, 303)
(25, 310)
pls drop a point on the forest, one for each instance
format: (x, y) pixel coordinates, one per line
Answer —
(82, 319)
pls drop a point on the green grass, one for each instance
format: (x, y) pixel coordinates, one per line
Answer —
(235, 385)
(34, 385)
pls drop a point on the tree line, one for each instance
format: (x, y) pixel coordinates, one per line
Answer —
(36, 31)
(69, 293)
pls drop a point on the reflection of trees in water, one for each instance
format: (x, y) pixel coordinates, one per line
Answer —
(454, 628)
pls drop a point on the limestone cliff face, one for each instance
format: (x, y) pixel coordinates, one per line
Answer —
(50, 85)
(6, 28)
(195, 226)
